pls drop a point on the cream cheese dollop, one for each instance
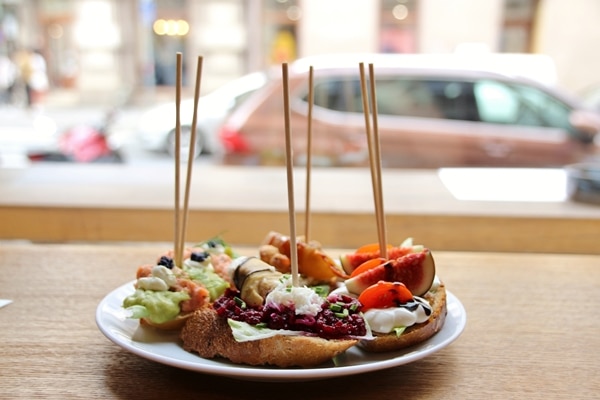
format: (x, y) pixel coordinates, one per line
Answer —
(162, 279)
(198, 264)
(385, 320)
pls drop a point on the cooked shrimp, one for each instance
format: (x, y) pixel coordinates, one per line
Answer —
(144, 270)
(220, 263)
(199, 296)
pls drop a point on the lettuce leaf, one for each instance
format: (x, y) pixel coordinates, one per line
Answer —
(244, 332)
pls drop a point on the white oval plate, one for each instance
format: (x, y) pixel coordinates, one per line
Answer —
(165, 347)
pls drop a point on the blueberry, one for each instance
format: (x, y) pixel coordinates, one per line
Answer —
(199, 256)
(166, 261)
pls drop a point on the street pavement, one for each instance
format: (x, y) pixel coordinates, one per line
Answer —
(28, 129)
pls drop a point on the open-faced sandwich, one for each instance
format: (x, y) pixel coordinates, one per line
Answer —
(167, 294)
(403, 301)
(266, 320)
(313, 263)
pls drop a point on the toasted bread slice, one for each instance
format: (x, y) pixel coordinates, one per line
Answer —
(210, 336)
(415, 334)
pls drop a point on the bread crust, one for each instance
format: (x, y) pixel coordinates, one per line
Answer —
(415, 334)
(210, 336)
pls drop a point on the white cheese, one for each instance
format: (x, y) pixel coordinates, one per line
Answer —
(305, 300)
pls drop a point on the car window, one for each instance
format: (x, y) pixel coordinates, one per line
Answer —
(400, 96)
(337, 94)
(241, 98)
(515, 104)
(406, 97)
(485, 100)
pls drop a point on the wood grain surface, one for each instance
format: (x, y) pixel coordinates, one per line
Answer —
(532, 333)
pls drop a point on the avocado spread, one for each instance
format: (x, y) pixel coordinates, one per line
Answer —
(156, 306)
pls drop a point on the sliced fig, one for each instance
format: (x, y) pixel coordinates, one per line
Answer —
(351, 261)
(415, 270)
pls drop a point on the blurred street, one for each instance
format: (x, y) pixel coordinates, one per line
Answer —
(23, 130)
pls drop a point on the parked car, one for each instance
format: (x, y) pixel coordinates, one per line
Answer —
(433, 111)
(591, 96)
(156, 128)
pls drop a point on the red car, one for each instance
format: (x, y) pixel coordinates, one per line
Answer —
(431, 114)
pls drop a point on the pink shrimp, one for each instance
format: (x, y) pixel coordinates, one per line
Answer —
(199, 296)
(144, 270)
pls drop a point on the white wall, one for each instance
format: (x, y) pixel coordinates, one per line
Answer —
(569, 32)
(443, 24)
(338, 26)
(97, 37)
(219, 36)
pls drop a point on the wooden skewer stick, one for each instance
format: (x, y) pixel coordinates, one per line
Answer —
(308, 155)
(366, 113)
(177, 238)
(290, 176)
(377, 165)
(372, 165)
(190, 159)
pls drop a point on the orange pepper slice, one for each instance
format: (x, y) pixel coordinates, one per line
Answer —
(367, 265)
(370, 248)
(384, 295)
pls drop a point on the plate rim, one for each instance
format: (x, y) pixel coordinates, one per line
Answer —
(454, 325)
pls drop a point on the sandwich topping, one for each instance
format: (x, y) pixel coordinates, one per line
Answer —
(164, 291)
(399, 316)
(302, 299)
(390, 307)
(386, 320)
(294, 311)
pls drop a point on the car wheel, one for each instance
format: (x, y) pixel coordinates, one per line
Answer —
(185, 143)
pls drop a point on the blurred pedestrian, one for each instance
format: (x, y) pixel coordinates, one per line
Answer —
(32, 72)
(8, 76)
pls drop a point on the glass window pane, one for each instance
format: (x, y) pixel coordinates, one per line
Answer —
(496, 103)
(520, 105)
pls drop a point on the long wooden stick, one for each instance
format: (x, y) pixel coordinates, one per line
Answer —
(308, 155)
(290, 176)
(177, 232)
(372, 164)
(190, 159)
(377, 165)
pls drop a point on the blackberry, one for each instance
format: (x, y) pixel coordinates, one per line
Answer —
(199, 256)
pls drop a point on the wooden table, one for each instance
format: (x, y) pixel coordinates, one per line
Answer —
(532, 333)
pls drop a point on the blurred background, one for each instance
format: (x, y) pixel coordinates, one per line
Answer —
(94, 48)
(104, 63)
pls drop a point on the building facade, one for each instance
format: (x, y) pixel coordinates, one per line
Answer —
(107, 48)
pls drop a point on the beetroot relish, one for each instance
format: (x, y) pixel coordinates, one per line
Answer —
(327, 324)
